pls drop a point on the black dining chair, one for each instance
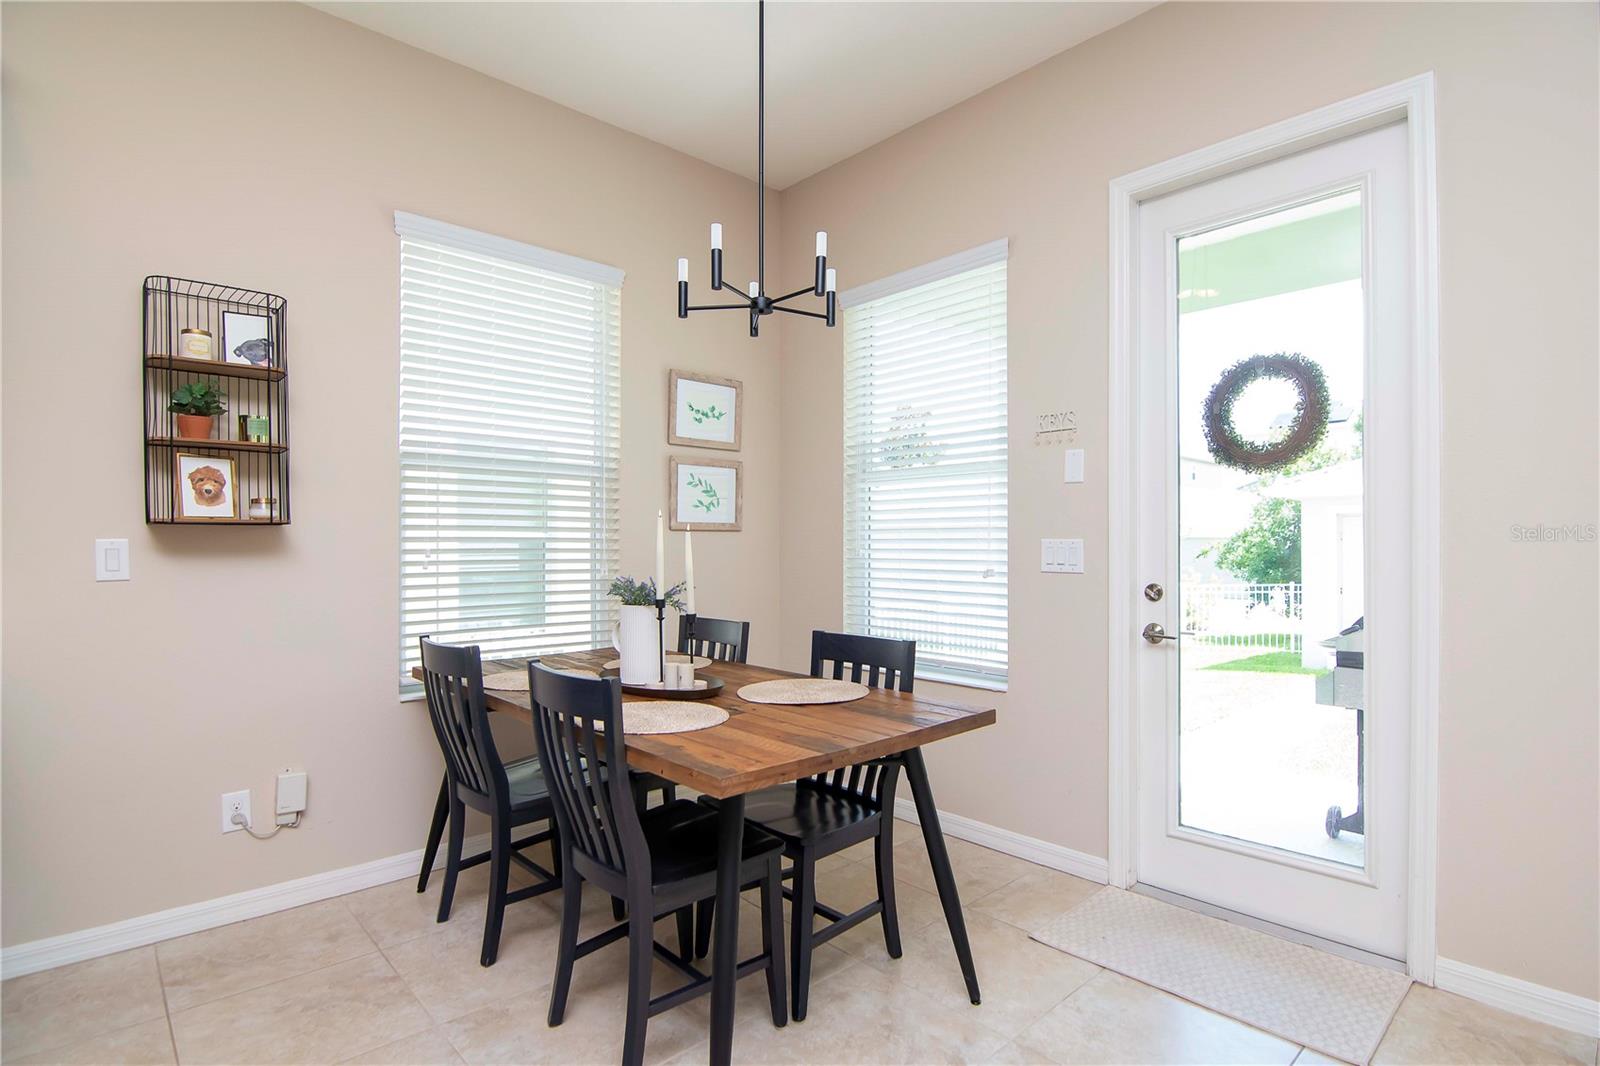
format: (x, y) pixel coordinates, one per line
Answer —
(660, 861)
(819, 816)
(511, 794)
(716, 638)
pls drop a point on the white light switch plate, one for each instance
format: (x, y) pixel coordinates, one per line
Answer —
(1074, 470)
(1074, 556)
(1060, 556)
(111, 560)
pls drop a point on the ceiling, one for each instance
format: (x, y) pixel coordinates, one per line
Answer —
(840, 76)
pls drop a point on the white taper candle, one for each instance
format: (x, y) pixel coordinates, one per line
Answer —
(688, 572)
(683, 270)
(833, 281)
(661, 557)
(822, 242)
(716, 236)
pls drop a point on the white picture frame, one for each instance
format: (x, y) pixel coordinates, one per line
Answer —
(246, 340)
(704, 411)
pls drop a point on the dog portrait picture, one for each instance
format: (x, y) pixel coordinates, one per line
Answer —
(204, 489)
(245, 340)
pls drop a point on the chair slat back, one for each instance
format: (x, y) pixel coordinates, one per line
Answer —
(877, 662)
(594, 809)
(453, 683)
(717, 638)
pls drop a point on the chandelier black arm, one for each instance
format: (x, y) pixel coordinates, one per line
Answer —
(720, 307)
(792, 295)
(797, 311)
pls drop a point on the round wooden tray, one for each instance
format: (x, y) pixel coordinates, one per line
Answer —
(713, 688)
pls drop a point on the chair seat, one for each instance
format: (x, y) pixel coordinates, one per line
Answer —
(804, 815)
(682, 836)
(526, 779)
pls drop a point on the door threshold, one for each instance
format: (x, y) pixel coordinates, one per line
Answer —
(1283, 932)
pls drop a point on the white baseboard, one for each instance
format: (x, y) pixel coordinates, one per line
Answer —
(1548, 1005)
(54, 951)
(1055, 856)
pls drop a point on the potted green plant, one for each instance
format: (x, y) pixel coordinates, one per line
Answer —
(636, 635)
(197, 404)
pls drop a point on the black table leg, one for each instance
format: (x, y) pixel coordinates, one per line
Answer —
(441, 814)
(933, 835)
(725, 951)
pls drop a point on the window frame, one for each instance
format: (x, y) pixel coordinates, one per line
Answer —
(853, 300)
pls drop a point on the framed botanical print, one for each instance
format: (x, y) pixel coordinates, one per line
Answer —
(707, 494)
(704, 411)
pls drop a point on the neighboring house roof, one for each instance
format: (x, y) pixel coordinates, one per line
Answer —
(1340, 481)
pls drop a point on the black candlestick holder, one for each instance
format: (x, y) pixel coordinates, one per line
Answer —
(686, 633)
(661, 636)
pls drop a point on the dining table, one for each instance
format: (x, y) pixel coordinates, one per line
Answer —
(763, 744)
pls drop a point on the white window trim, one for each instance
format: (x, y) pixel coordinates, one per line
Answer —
(938, 270)
(428, 229)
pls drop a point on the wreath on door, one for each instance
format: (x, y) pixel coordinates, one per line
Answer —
(1305, 432)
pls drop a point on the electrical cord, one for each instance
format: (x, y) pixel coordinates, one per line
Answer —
(239, 820)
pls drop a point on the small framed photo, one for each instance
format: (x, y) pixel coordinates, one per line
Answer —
(204, 489)
(707, 494)
(704, 411)
(245, 340)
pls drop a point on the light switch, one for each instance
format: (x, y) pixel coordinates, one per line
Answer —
(1073, 556)
(1074, 472)
(111, 560)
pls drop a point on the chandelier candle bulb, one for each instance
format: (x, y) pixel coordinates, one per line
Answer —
(683, 270)
(832, 280)
(716, 236)
(755, 289)
(822, 244)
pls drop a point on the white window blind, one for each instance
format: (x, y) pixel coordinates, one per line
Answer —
(509, 407)
(925, 464)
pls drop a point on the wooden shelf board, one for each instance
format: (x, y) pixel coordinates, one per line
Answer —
(223, 445)
(213, 366)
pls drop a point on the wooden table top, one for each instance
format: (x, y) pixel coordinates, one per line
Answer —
(766, 744)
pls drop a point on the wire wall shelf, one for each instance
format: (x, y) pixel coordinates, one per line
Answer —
(230, 345)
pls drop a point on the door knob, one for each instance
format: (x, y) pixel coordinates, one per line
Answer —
(1155, 634)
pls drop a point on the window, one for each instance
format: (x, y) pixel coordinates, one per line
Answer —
(925, 464)
(509, 407)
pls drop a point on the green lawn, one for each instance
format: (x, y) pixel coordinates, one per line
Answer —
(1272, 662)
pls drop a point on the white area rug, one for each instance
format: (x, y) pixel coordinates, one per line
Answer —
(1333, 1005)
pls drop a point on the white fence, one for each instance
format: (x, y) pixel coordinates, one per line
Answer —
(1244, 616)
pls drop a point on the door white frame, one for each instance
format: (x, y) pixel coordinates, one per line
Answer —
(1412, 101)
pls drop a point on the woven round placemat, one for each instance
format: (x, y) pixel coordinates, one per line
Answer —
(700, 661)
(517, 680)
(670, 716)
(800, 690)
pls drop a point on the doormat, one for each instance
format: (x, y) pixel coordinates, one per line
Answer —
(1334, 1005)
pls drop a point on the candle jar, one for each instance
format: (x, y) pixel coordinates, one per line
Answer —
(196, 344)
(262, 508)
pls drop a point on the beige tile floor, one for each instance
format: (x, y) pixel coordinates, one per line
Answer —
(371, 978)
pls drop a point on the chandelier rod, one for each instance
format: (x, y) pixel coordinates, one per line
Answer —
(761, 145)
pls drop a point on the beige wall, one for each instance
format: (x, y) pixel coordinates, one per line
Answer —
(269, 146)
(1030, 160)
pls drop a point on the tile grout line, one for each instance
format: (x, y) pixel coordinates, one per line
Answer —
(166, 1007)
(384, 955)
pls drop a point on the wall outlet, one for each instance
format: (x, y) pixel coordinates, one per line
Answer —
(291, 795)
(235, 803)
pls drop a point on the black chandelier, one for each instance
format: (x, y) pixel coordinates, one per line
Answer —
(758, 303)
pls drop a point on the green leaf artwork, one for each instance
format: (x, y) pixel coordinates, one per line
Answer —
(710, 500)
(702, 415)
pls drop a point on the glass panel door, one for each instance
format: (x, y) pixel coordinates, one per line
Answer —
(1271, 352)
